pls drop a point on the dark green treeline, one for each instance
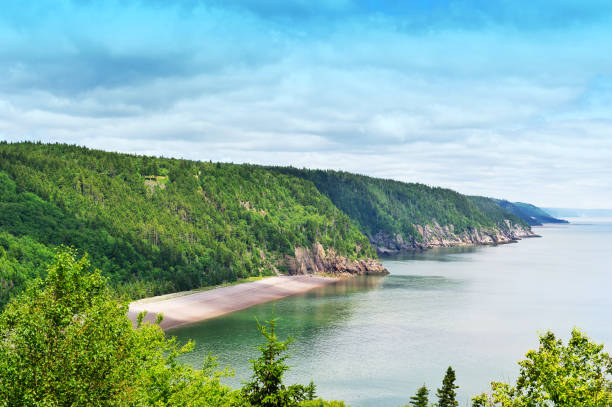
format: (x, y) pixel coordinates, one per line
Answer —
(394, 207)
(156, 225)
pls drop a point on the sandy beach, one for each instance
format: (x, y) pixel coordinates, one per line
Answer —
(198, 306)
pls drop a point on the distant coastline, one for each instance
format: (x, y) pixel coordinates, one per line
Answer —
(579, 214)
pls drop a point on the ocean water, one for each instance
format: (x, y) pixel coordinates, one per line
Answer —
(372, 341)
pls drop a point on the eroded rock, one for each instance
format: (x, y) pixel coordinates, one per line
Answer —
(434, 235)
(317, 261)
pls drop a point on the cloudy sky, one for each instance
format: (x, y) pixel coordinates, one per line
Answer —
(504, 98)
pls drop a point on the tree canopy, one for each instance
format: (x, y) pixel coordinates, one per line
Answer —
(420, 399)
(266, 388)
(157, 225)
(394, 207)
(447, 397)
(576, 374)
(66, 342)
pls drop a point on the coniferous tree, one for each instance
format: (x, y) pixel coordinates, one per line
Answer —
(420, 399)
(266, 389)
(447, 395)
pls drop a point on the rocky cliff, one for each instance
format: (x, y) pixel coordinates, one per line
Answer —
(434, 235)
(316, 261)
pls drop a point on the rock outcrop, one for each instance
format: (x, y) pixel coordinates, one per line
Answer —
(317, 261)
(445, 236)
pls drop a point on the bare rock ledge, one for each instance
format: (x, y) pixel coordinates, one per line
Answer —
(432, 236)
(317, 261)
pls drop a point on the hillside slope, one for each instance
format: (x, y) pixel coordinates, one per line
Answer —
(529, 213)
(396, 215)
(157, 225)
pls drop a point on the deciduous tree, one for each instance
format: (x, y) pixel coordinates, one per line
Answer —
(576, 374)
(67, 342)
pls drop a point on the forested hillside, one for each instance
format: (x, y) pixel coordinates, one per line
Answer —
(156, 225)
(529, 213)
(397, 215)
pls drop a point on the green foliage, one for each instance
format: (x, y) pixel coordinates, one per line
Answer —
(266, 388)
(156, 225)
(394, 207)
(482, 400)
(576, 374)
(322, 403)
(446, 394)
(529, 213)
(492, 210)
(8, 189)
(21, 260)
(67, 342)
(420, 399)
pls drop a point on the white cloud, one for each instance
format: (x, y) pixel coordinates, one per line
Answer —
(490, 111)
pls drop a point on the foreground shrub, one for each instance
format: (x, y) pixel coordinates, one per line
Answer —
(322, 403)
(67, 342)
(576, 374)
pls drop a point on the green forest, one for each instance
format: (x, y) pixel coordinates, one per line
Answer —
(394, 207)
(157, 225)
(530, 213)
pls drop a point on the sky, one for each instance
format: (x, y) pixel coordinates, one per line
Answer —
(502, 98)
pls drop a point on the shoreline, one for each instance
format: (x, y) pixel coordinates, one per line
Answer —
(391, 252)
(186, 308)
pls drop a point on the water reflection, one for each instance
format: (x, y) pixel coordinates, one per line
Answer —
(374, 340)
(311, 317)
(442, 254)
(403, 282)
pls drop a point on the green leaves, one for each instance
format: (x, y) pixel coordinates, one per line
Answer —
(66, 342)
(393, 207)
(156, 225)
(576, 374)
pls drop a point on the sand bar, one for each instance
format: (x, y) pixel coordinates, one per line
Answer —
(198, 306)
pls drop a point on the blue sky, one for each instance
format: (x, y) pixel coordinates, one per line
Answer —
(504, 98)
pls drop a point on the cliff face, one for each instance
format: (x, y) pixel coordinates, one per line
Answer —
(445, 236)
(316, 260)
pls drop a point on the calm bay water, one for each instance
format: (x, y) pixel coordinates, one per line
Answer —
(373, 341)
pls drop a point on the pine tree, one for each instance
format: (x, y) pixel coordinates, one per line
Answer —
(446, 395)
(420, 399)
(266, 389)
